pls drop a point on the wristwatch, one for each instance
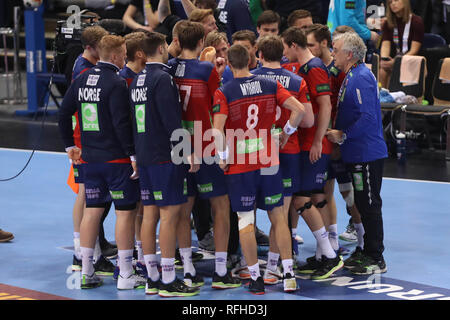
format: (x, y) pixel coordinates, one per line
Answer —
(344, 136)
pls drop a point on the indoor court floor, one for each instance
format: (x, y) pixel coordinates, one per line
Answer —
(37, 208)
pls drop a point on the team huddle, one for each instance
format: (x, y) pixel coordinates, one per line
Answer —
(249, 129)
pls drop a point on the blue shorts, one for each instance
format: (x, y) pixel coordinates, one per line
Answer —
(110, 181)
(290, 172)
(208, 182)
(78, 173)
(163, 184)
(339, 172)
(250, 188)
(314, 176)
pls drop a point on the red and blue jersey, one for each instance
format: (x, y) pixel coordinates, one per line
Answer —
(250, 106)
(298, 89)
(127, 74)
(196, 81)
(317, 78)
(336, 78)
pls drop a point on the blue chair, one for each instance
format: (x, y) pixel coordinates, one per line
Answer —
(432, 40)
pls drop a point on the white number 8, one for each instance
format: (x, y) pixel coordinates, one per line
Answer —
(252, 120)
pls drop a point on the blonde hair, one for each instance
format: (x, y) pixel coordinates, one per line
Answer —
(214, 38)
(109, 44)
(390, 16)
(198, 15)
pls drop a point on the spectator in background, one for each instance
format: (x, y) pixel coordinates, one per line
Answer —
(300, 18)
(236, 15)
(268, 23)
(352, 14)
(402, 34)
(285, 7)
(206, 18)
(256, 7)
(140, 15)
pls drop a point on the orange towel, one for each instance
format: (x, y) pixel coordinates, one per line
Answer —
(444, 75)
(410, 70)
(71, 181)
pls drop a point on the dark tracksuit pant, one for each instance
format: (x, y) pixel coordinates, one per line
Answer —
(367, 179)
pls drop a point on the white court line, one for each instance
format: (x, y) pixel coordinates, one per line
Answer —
(63, 153)
(29, 150)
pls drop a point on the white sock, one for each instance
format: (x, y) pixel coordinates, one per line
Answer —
(125, 262)
(272, 261)
(221, 263)
(151, 262)
(139, 251)
(254, 271)
(323, 243)
(186, 257)
(97, 250)
(288, 266)
(76, 245)
(360, 234)
(294, 232)
(168, 270)
(87, 260)
(333, 236)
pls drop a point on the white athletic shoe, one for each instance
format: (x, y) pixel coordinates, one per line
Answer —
(299, 239)
(272, 277)
(289, 283)
(350, 234)
(241, 271)
(132, 282)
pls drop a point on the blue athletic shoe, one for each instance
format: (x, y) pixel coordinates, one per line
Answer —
(141, 269)
(342, 251)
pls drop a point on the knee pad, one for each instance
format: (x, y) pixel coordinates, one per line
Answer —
(350, 199)
(345, 187)
(246, 221)
(321, 204)
(306, 206)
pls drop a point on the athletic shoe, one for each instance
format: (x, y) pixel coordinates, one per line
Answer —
(109, 250)
(309, 267)
(116, 272)
(369, 266)
(295, 261)
(193, 281)
(104, 267)
(342, 251)
(140, 269)
(289, 283)
(196, 257)
(89, 282)
(177, 288)
(5, 236)
(350, 234)
(299, 239)
(225, 282)
(152, 287)
(327, 268)
(262, 239)
(76, 264)
(272, 277)
(134, 281)
(241, 272)
(207, 243)
(355, 258)
(233, 260)
(256, 286)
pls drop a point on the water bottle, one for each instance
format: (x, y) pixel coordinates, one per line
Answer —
(401, 147)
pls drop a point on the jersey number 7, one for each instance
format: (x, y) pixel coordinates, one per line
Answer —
(185, 94)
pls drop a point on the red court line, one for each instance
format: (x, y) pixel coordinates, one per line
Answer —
(15, 293)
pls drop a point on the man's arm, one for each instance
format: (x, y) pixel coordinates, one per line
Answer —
(188, 7)
(163, 10)
(220, 115)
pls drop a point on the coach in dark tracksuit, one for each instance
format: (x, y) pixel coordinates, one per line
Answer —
(359, 133)
(100, 96)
